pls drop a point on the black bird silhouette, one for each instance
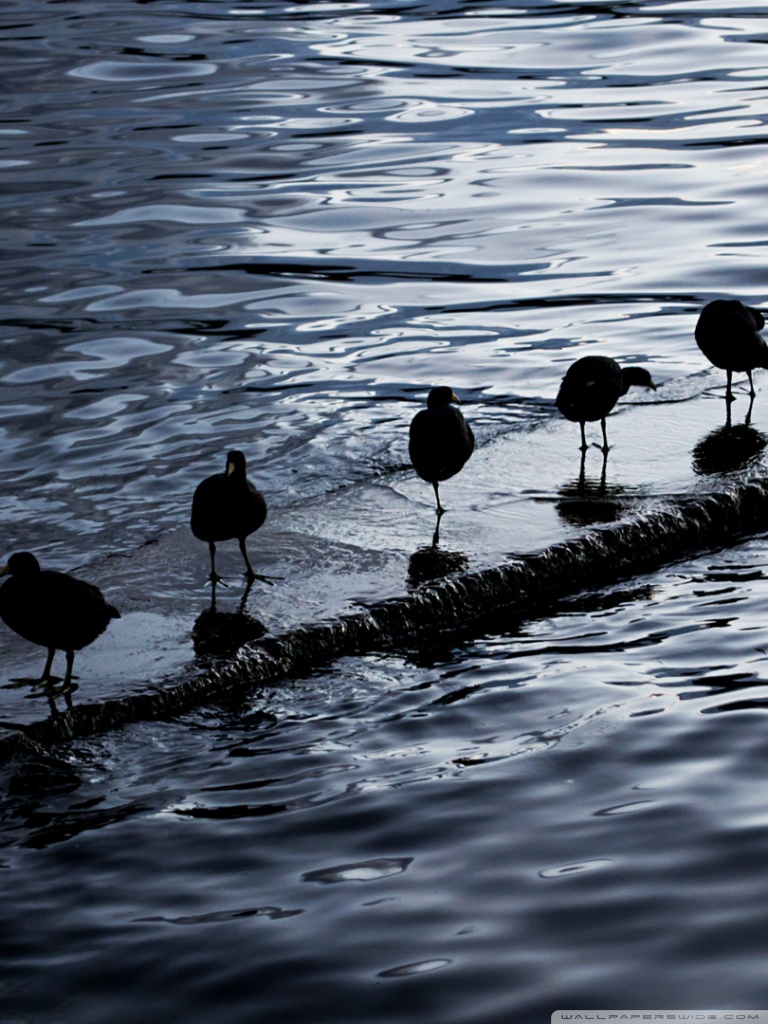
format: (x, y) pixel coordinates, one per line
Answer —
(52, 609)
(591, 388)
(441, 440)
(728, 333)
(226, 506)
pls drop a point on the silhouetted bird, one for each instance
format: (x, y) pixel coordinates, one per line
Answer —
(226, 506)
(52, 609)
(591, 388)
(728, 333)
(441, 440)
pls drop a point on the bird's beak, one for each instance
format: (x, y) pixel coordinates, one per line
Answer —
(230, 468)
(5, 571)
(455, 399)
(652, 386)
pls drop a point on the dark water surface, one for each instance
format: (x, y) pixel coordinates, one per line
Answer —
(570, 814)
(273, 227)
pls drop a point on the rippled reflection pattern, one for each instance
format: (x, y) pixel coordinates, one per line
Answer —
(261, 228)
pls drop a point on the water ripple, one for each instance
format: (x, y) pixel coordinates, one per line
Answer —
(124, 71)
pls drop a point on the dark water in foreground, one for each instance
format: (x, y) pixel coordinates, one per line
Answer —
(570, 814)
(273, 227)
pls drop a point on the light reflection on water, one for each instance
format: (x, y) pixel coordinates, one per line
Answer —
(335, 198)
(265, 228)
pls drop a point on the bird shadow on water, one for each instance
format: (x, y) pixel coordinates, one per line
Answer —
(728, 448)
(588, 500)
(431, 562)
(220, 634)
(48, 688)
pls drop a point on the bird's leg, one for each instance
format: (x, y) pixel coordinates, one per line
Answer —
(605, 435)
(246, 592)
(47, 681)
(214, 577)
(436, 534)
(440, 508)
(251, 575)
(584, 444)
(728, 391)
(752, 391)
(48, 663)
(249, 571)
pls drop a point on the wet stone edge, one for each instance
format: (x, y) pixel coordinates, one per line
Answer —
(605, 554)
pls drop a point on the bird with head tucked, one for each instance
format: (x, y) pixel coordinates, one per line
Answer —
(728, 333)
(440, 440)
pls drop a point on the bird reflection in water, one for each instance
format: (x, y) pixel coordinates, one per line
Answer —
(48, 688)
(586, 501)
(432, 563)
(220, 634)
(728, 448)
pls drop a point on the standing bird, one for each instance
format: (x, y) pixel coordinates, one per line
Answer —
(52, 609)
(441, 440)
(591, 388)
(226, 506)
(728, 333)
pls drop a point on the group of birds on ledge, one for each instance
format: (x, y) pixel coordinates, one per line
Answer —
(60, 612)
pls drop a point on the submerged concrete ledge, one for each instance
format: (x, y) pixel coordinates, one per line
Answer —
(643, 541)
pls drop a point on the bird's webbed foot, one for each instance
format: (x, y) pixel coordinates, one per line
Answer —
(269, 580)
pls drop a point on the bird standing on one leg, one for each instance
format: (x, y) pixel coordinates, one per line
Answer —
(591, 388)
(728, 333)
(52, 609)
(226, 506)
(441, 440)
